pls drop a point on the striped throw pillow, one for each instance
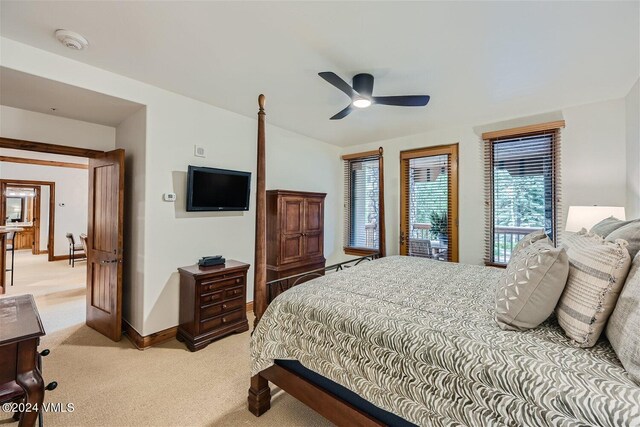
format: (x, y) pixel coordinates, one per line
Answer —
(597, 272)
(623, 327)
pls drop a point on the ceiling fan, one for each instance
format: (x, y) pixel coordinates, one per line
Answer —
(361, 94)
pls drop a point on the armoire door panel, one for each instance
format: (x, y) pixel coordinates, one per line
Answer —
(292, 220)
(314, 245)
(313, 215)
(292, 248)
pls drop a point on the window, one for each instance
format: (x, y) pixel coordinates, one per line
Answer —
(364, 212)
(522, 173)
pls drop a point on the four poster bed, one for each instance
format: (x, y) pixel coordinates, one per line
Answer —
(403, 341)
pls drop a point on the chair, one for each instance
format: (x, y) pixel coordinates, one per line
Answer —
(420, 248)
(10, 247)
(73, 248)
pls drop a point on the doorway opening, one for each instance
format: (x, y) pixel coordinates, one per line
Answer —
(95, 214)
(429, 203)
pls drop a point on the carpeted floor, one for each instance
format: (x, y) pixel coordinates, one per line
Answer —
(114, 384)
(34, 274)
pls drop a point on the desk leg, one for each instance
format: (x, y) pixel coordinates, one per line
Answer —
(30, 380)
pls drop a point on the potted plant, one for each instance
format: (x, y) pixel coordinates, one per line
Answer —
(440, 225)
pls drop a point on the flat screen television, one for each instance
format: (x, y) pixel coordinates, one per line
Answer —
(210, 189)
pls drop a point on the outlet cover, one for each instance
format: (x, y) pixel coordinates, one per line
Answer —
(198, 151)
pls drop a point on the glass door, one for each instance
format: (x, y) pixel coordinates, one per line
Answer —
(429, 203)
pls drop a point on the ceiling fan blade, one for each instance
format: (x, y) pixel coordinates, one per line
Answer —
(342, 114)
(403, 101)
(336, 81)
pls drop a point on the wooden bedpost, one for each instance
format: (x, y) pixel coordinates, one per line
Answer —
(260, 264)
(259, 398)
(382, 230)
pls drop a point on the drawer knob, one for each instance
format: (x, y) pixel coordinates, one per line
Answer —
(237, 280)
(224, 306)
(224, 320)
(236, 292)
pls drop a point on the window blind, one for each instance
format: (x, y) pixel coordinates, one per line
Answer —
(522, 186)
(363, 212)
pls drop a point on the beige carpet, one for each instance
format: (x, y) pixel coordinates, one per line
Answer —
(114, 384)
(34, 274)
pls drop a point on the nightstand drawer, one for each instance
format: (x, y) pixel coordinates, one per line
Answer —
(209, 285)
(220, 321)
(212, 297)
(234, 292)
(216, 309)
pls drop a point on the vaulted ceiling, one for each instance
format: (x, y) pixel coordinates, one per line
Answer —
(479, 61)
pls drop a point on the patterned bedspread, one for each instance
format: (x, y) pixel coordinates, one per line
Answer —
(417, 338)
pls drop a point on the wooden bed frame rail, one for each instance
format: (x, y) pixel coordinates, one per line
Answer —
(320, 400)
(277, 286)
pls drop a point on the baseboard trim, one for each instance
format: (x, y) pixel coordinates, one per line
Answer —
(144, 342)
(66, 257)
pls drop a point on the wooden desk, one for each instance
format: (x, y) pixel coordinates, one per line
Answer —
(20, 332)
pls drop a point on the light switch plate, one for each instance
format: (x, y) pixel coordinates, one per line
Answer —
(199, 151)
(169, 197)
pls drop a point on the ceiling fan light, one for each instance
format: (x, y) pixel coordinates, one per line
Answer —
(361, 103)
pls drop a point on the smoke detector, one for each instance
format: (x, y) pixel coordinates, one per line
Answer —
(71, 39)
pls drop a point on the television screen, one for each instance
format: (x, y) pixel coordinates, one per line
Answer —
(210, 189)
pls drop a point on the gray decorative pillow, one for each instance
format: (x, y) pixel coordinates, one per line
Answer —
(531, 286)
(597, 271)
(630, 233)
(623, 329)
(609, 225)
(528, 240)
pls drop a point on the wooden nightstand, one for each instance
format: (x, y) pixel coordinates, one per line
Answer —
(212, 303)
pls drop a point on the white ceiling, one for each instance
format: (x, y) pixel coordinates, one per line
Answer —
(479, 61)
(33, 93)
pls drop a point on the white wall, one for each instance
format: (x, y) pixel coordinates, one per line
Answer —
(31, 126)
(593, 155)
(593, 168)
(632, 103)
(71, 184)
(71, 190)
(174, 123)
(131, 136)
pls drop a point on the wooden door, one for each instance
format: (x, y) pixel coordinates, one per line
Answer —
(35, 248)
(104, 244)
(291, 229)
(313, 225)
(429, 203)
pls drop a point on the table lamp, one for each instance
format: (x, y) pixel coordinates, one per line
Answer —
(580, 217)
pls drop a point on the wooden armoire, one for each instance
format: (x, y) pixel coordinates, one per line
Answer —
(295, 236)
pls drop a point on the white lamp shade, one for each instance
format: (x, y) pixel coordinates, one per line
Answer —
(587, 216)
